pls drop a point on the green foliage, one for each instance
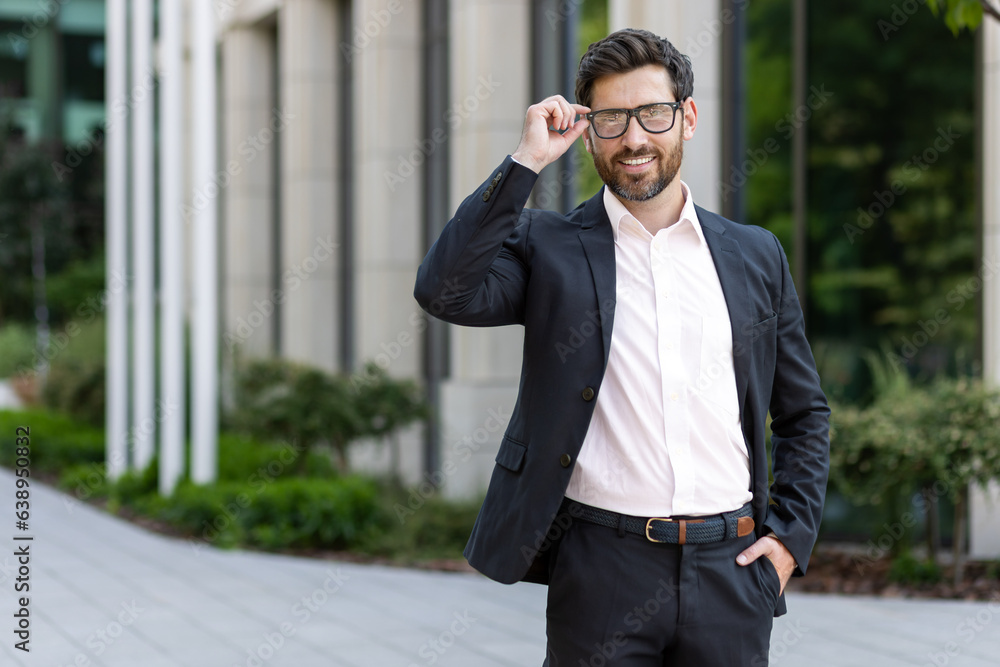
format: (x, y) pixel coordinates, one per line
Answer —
(85, 481)
(593, 27)
(912, 437)
(75, 381)
(73, 293)
(58, 442)
(243, 459)
(132, 487)
(17, 349)
(292, 513)
(280, 400)
(386, 404)
(897, 99)
(938, 440)
(259, 500)
(438, 528)
(909, 570)
(277, 399)
(958, 14)
(65, 210)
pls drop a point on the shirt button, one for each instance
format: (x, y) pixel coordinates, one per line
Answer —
(565, 460)
(674, 396)
(588, 394)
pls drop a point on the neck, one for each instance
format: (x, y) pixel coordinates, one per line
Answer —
(661, 211)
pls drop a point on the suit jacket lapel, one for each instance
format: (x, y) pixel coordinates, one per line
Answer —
(728, 258)
(599, 246)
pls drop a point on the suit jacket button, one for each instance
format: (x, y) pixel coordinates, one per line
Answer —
(565, 460)
(486, 195)
(588, 394)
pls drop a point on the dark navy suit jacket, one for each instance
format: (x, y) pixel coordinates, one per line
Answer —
(498, 263)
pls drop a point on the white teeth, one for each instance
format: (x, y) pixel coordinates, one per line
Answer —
(642, 160)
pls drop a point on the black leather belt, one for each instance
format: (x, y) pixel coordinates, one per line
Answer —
(701, 530)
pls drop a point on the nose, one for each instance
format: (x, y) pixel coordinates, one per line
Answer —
(635, 137)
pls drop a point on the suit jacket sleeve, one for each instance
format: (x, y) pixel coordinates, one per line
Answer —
(800, 433)
(476, 273)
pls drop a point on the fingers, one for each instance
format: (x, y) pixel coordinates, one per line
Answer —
(749, 555)
(575, 130)
(550, 128)
(761, 547)
(560, 114)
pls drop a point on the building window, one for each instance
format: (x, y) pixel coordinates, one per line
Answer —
(13, 62)
(84, 67)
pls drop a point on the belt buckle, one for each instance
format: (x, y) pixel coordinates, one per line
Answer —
(649, 524)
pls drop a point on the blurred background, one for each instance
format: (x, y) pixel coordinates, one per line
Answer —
(213, 213)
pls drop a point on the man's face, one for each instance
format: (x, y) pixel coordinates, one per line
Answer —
(638, 165)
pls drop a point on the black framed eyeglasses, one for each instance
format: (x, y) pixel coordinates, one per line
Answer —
(655, 118)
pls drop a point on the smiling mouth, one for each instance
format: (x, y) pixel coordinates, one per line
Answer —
(637, 161)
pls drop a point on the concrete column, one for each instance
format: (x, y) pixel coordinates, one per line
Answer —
(308, 54)
(695, 28)
(205, 337)
(172, 301)
(985, 506)
(490, 84)
(390, 153)
(144, 425)
(116, 233)
(250, 136)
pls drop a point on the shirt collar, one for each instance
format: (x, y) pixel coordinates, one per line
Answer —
(617, 212)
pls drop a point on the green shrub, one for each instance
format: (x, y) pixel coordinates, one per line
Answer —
(134, 486)
(243, 459)
(75, 382)
(276, 399)
(17, 349)
(437, 528)
(73, 293)
(85, 481)
(284, 513)
(305, 513)
(941, 439)
(907, 569)
(57, 442)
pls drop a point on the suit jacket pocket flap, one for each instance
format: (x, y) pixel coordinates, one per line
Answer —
(511, 454)
(765, 325)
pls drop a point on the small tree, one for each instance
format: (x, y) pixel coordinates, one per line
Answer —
(910, 438)
(387, 405)
(961, 428)
(32, 212)
(282, 400)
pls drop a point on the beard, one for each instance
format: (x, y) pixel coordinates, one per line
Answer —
(645, 186)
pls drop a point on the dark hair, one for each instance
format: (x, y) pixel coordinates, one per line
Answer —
(627, 50)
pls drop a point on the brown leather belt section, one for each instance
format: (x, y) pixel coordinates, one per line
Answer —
(703, 530)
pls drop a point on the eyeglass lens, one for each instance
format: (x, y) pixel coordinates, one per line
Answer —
(611, 123)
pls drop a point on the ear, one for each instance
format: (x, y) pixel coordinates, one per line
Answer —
(587, 141)
(690, 110)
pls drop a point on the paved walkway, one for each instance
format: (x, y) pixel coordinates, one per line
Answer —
(106, 593)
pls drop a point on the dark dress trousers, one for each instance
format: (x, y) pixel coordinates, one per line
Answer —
(499, 263)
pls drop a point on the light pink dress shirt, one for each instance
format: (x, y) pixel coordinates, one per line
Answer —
(665, 438)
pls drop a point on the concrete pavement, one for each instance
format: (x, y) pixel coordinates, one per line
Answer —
(106, 593)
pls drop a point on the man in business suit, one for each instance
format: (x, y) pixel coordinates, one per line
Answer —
(633, 476)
